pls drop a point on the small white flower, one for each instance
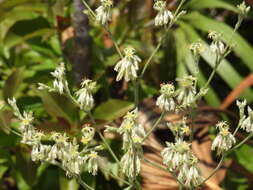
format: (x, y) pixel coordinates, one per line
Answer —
(163, 16)
(59, 82)
(92, 164)
(189, 174)
(187, 90)
(197, 48)
(104, 11)
(131, 163)
(217, 46)
(59, 72)
(247, 124)
(128, 66)
(175, 154)
(243, 9)
(224, 140)
(87, 134)
(166, 100)
(85, 98)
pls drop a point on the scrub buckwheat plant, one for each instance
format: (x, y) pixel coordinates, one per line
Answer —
(82, 153)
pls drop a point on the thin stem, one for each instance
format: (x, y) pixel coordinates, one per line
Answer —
(237, 128)
(217, 63)
(193, 116)
(162, 38)
(154, 126)
(78, 177)
(136, 92)
(223, 157)
(83, 184)
(114, 41)
(103, 139)
(241, 143)
(117, 177)
(215, 170)
(88, 7)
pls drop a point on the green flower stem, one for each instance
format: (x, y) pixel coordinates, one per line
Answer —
(114, 41)
(172, 21)
(94, 123)
(223, 157)
(136, 92)
(241, 143)
(116, 177)
(83, 184)
(102, 138)
(154, 126)
(237, 128)
(215, 170)
(88, 7)
(78, 177)
(106, 29)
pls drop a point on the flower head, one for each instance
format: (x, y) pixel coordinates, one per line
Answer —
(243, 9)
(197, 48)
(176, 154)
(166, 100)
(247, 123)
(224, 140)
(104, 11)
(127, 67)
(187, 90)
(163, 16)
(84, 95)
(217, 46)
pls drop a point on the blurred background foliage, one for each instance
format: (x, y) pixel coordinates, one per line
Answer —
(36, 35)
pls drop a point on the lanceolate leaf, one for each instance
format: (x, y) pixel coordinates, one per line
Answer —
(12, 83)
(203, 4)
(112, 109)
(59, 106)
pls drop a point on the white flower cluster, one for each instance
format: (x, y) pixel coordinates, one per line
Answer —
(243, 9)
(180, 160)
(133, 134)
(163, 16)
(104, 11)
(85, 98)
(127, 67)
(179, 128)
(171, 100)
(187, 91)
(246, 122)
(84, 95)
(59, 83)
(217, 46)
(224, 140)
(62, 150)
(166, 100)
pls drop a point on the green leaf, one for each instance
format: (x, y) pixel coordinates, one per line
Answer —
(14, 40)
(112, 109)
(204, 4)
(68, 184)
(3, 169)
(242, 47)
(12, 83)
(59, 106)
(225, 70)
(18, 13)
(242, 155)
